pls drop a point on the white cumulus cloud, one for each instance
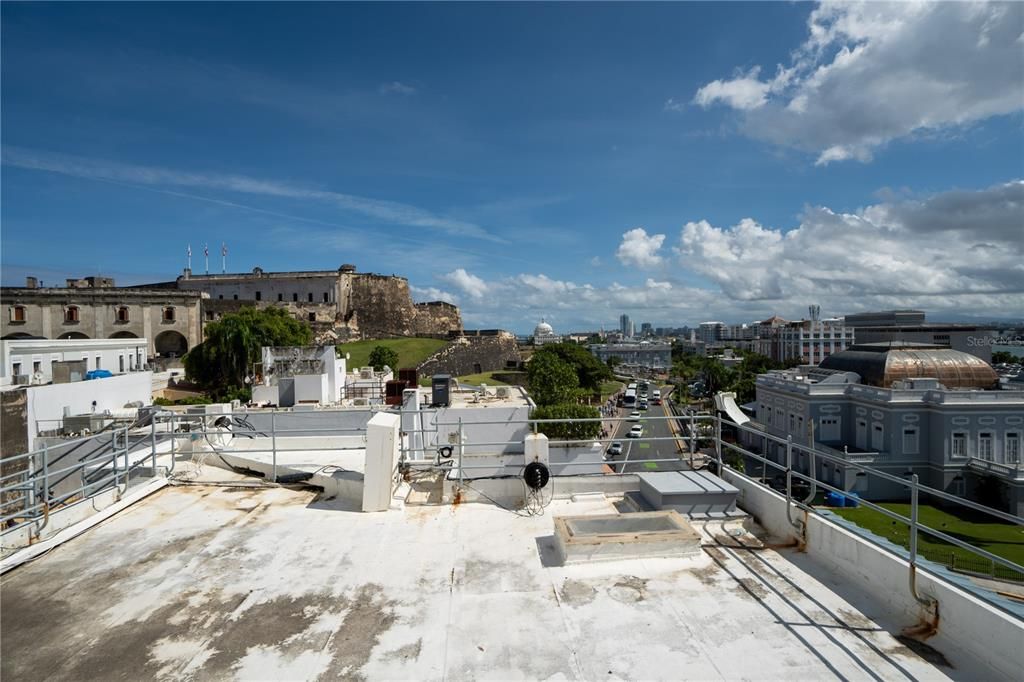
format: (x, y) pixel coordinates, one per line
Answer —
(640, 249)
(745, 91)
(471, 285)
(954, 251)
(872, 72)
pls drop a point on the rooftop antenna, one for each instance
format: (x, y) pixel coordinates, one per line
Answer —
(223, 257)
(206, 253)
(189, 254)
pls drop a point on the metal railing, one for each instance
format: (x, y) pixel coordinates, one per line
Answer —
(33, 484)
(909, 483)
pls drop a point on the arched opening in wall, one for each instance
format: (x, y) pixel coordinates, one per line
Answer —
(73, 335)
(124, 335)
(18, 335)
(170, 344)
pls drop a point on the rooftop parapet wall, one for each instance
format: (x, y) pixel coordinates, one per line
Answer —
(963, 617)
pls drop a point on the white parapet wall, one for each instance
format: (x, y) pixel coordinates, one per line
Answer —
(47, 404)
(962, 615)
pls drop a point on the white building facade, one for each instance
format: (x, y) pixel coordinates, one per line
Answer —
(31, 361)
(811, 341)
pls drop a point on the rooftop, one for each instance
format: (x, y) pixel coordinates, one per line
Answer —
(216, 582)
(882, 364)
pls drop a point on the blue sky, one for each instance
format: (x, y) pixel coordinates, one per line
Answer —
(676, 162)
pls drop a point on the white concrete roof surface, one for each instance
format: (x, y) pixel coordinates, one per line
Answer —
(221, 583)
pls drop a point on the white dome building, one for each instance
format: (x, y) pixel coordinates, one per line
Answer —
(544, 333)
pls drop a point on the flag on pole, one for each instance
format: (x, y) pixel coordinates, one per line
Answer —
(223, 249)
(206, 250)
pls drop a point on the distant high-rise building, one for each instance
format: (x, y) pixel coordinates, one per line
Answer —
(646, 329)
(712, 332)
(626, 326)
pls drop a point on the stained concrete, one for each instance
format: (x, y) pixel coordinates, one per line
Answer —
(215, 582)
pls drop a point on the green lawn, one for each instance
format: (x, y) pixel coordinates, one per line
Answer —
(608, 388)
(483, 378)
(411, 352)
(1002, 539)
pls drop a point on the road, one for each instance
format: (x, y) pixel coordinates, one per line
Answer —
(637, 453)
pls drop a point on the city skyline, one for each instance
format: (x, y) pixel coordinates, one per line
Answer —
(747, 162)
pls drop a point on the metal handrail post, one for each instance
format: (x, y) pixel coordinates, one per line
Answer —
(113, 456)
(693, 436)
(152, 445)
(789, 483)
(30, 496)
(273, 445)
(462, 450)
(814, 477)
(718, 442)
(46, 474)
(913, 544)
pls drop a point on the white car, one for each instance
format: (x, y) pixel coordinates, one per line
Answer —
(636, 432)
(634, 416)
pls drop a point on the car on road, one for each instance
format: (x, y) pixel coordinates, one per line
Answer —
(615, 449)
(656, 397)
(643, 405)
(634, 416)
(636, 432)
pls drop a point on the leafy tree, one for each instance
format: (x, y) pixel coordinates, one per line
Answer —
(552, 380)
(381, 356)
(590, 371)
(1001, 357)
(613, 362)
(568, 430)
(233, 344)
(717, 377)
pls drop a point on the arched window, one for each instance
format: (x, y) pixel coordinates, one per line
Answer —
(71, 314)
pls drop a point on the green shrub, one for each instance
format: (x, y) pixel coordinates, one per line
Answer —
(565, 430)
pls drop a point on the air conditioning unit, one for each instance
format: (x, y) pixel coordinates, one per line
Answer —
(366, 373)
(503, 392)
(20, 378)
(361, 402)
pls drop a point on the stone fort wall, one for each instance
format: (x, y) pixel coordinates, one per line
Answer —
(482, 351)
(351, 305)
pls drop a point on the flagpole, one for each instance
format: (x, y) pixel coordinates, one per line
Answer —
(206, 255)
(189, 252)
(223, 258)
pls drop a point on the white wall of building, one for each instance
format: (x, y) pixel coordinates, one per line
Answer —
(24, 356)
(311, 388)
(47, 404)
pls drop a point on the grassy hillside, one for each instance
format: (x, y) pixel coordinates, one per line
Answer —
(411, 352)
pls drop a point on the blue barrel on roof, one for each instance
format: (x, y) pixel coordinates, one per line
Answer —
(98, 374)
(852, 500)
